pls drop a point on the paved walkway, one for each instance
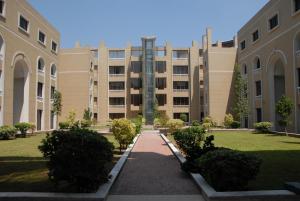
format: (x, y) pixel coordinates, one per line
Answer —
(153, 171)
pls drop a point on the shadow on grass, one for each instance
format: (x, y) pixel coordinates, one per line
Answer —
(278, 167)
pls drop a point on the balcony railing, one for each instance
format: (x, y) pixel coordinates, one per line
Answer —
(180, 90)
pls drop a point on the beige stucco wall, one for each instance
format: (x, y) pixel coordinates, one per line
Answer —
(25, 46)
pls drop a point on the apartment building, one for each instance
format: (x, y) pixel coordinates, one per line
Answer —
(219, 61)
(129, 81)
(269, 58)
(29, 48)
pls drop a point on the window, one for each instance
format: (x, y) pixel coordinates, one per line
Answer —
(136, 66)
(116, 54)
(243, 44)
(161, 99)
(23, 23)
(180, 54)
(54, 46)
(136, 99)
(180, 116)
(180, 101)
(160, 66)
(116, 85)
(116, 70)
(40, 90)
(42, 37)
(96, 100)
(160, 53)
(245, 70)
(273, 22)
(41, 65)
(52, 117)
(52, 92)
(258, 115)
(95, 83)
(258, 88)
(116, 115)
(95, 116)
(180, 70)
(160, 83)
(117, 101)
(53, 71)
(296, 5)
(2, 6)
(95, 67)
(255, 36)
(180, 85)
(298, 70)
(39, 117)
(136, 53)
(201, 66)
(136, 83)
(257, 63)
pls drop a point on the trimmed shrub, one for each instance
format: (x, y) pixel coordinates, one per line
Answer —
(174, 125)
(228, 120)
(64, 125)
(32, 128)
(124, 132)
(85, 123)
(206, 126)
(235, 124)
(78, 156)
(23, 127)
(7, 132)
(263, 127)
(196, 123)
(138, 121)
(156, 123)
(228, 170)
(183, 117)
(189, 140)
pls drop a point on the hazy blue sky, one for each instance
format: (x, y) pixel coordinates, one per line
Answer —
(120, 21)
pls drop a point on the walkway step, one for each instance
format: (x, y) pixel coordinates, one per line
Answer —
(155, 198)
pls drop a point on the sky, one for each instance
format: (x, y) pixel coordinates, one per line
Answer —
(118, 22)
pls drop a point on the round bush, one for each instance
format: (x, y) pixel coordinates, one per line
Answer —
(228, 170)
(235, 124)
(174, 125)
(78, 156)
(7, 132)
(23, 127)
(124, 132)
(263, 127)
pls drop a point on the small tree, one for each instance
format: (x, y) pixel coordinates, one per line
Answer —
(57, 102)
(87, 114)
(183, 117)
(124, 132)
(284, 108)
(240, 107)
(228, 120)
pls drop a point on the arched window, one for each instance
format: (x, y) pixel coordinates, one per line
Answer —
(53, 70)
(245, 70)
(257, 63)
(297, 42)
(41, 65)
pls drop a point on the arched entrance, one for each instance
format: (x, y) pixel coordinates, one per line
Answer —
(276, 73)
(279, 87)
(21, 92)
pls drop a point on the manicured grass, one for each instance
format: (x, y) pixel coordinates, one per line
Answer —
(22, 167)
(280, 156)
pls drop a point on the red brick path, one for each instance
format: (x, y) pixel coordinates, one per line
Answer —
(152, 169)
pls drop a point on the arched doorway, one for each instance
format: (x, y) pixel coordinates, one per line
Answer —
(279, 87)
(21, 92)
(276, 82)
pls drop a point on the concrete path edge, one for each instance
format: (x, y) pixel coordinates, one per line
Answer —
(100, 195)
(210, 194)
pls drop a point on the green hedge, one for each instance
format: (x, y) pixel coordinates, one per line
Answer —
(7, 132)
(78, 156)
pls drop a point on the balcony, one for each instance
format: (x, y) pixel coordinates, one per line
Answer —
(181, 108)
(180, 77)
(135, 75)
(181, 92)
(117, 93)
(136, 91)
(117, 108)
(135, 107)
(117, 77)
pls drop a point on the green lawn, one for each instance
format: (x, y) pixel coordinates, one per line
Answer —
(22, 167)
(280, 155)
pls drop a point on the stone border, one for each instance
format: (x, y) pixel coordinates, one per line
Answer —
(211, 194)
(100, 195)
